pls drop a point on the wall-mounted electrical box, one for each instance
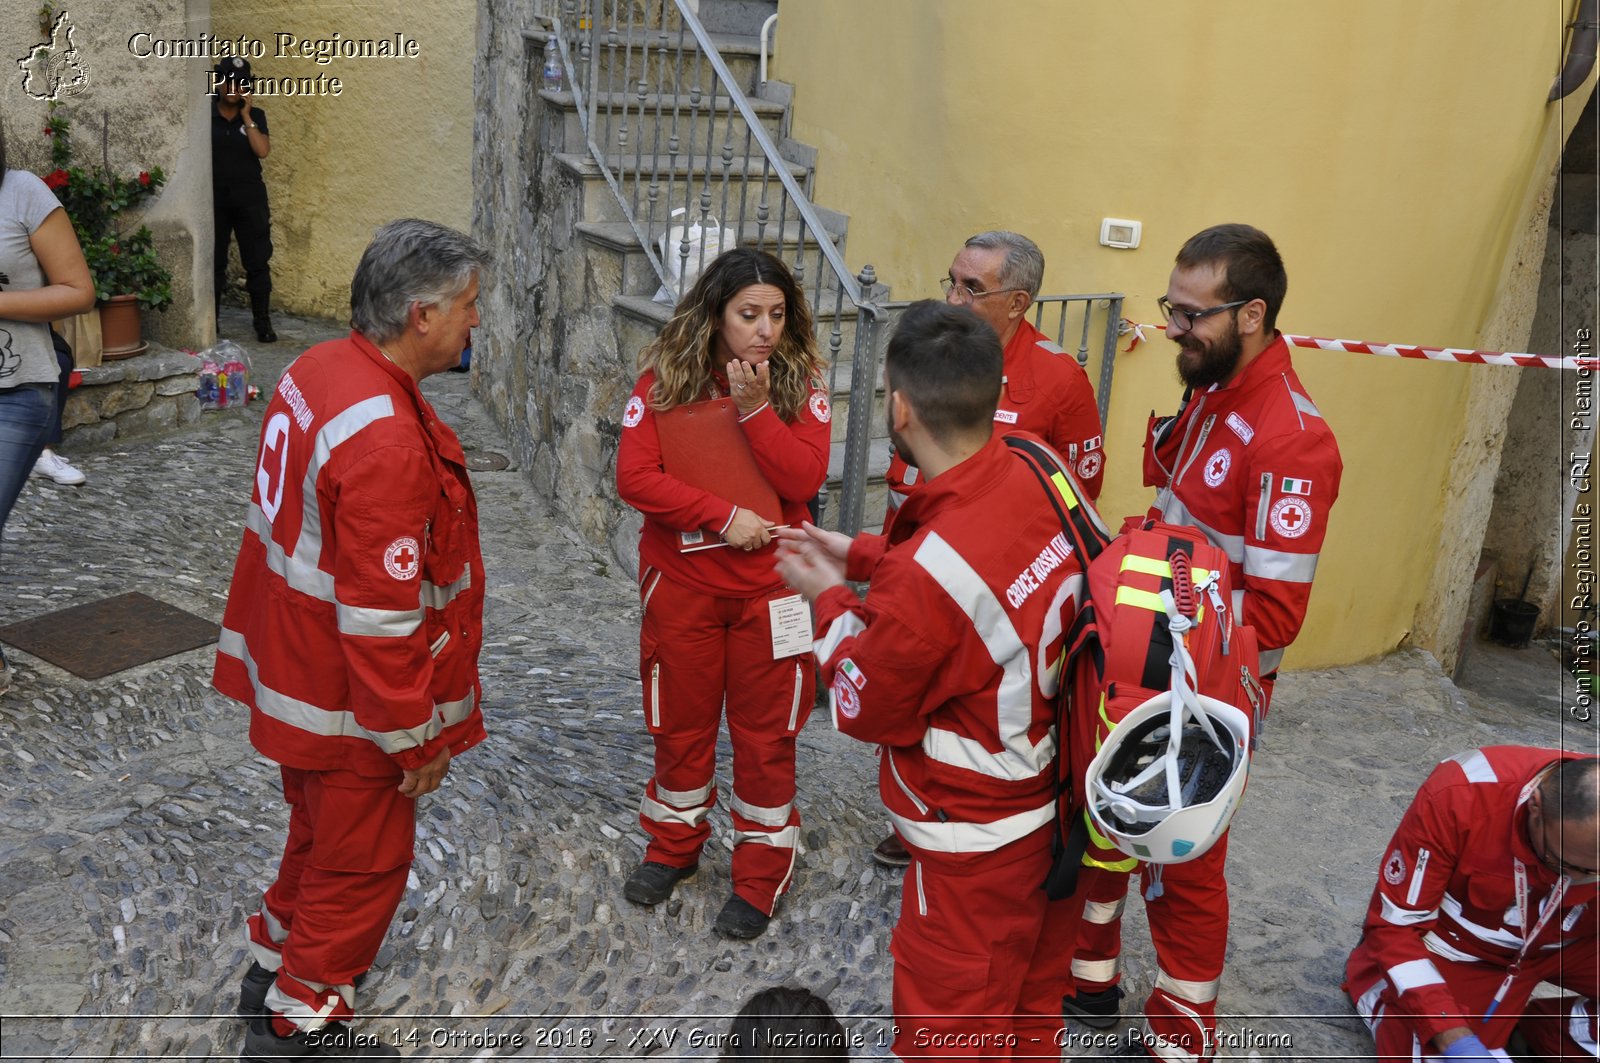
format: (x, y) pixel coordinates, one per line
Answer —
(1119, 232)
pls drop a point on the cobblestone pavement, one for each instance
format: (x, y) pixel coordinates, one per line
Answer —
(138, 827)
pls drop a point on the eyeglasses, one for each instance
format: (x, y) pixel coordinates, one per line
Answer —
(1185, 319)
(1547, 853)
(964, 294)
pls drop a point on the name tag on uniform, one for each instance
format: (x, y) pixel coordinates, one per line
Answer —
(791, 626)
(1006, 416)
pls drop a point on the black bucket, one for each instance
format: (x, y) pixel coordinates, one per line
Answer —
(1511, 621)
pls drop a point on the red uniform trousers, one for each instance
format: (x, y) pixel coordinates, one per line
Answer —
(1554, 1027)
(977, 955)
(697, 652)
(342, 876)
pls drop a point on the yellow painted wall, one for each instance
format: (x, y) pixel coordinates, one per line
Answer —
(1396, 152)
(397, 141)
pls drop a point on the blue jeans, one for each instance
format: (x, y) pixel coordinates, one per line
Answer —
(26, 416)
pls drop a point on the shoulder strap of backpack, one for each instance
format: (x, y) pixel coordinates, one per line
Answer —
(1079, 521)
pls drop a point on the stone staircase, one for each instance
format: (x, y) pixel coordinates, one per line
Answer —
(599, 281)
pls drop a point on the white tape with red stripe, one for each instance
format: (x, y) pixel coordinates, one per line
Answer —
(1400, 350)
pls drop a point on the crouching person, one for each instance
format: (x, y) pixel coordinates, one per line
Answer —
(352, 630)
(947, 665)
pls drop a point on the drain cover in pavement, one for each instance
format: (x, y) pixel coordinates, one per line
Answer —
(487, 461)
(94, 640)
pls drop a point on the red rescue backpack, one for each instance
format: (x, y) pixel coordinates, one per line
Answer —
(1122, 656)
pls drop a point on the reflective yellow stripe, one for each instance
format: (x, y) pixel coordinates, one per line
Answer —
(1068, 495)
(1140, 599)
(1101, 841)
(1155, 566)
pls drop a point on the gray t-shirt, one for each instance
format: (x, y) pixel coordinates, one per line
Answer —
(26, 354)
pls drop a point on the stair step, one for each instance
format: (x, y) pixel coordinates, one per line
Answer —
(630, 167)
(653, 130)
(741, 54)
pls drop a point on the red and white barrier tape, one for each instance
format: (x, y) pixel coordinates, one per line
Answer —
(1400, 350)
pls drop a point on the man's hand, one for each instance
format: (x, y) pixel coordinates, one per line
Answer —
(747, 531)
(426, 779)
(806, 564)
(834, 544)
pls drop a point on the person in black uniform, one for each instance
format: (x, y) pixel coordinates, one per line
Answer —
(239, 197)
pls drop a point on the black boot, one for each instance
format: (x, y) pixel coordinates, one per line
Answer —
(259, 309)
(334, 1041)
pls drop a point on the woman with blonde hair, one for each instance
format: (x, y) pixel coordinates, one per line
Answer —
(706, 580)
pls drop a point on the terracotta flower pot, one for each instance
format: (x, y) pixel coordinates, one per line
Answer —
(119, 327)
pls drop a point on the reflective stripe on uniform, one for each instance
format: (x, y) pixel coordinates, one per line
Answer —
(1443, 949)
(1173, 511)
(1094, 970)
(377, 623)
(1398, 916)
(1414, 974)
(778, 839)
(685, 798)
(1476, 766)
(973, 837)
(1100, 841)
(1270, 659)
(435, 596)
(1578, 1028)
(1019, 758)
(828, 642)
(1489, 935)
(1280, 564)
(1193, 992)
(654, 810)
(1104, 912)
(774, 816)
(337, 723)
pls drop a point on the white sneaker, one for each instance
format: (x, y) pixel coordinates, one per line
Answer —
(58, 469)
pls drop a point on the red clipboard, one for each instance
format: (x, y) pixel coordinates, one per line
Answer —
(703, 445)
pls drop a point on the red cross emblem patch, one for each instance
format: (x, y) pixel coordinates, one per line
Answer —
(1217, 467)
(402, 559)
(1291, 516)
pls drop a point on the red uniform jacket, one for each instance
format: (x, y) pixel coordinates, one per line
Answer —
(355, 617)
(1045, 392)
(1254, 466)
(1447, 889)
(953, 661)
(792, 455)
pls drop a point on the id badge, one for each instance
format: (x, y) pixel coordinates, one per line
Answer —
(791, 626)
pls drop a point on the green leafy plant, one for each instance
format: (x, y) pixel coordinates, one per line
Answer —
(94, 199)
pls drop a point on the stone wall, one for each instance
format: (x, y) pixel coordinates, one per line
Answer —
(550, 357)
(134, 114)
(135, 396)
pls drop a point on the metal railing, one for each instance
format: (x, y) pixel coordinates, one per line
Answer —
(670, 128)
(1063, 310)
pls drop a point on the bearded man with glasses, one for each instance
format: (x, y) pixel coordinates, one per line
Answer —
(1486, 890)
(1248, 460)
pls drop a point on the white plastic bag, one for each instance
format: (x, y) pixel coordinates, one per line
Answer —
(705, 243)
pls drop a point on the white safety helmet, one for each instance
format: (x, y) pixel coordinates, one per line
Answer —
(1166, 801)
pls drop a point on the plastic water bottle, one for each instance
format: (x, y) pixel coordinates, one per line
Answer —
(236, 383)
(552, 65)
(208, 385)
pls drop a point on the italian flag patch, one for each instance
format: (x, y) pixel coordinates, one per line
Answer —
(1296, 487)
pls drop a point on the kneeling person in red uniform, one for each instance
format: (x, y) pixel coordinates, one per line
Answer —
(353, 627)
(952, 666)
(1486, 890)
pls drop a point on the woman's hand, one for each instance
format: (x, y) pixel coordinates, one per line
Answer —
(747, 531)
(749, 385)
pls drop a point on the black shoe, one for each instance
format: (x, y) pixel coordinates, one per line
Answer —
(741, 919)
(651, 883)
(253, 989)
(892, 852)
(333, 1041)
(264, 331)
(1096, 1010)
(1131, 1049)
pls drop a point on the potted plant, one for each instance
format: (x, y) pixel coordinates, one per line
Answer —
(127, 274)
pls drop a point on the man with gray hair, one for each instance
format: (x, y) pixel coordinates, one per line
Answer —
(997, 275)
(352, 630)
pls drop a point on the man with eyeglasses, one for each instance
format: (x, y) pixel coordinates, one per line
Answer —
(1044, 391)
(1248, 460)
(1486, 890)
